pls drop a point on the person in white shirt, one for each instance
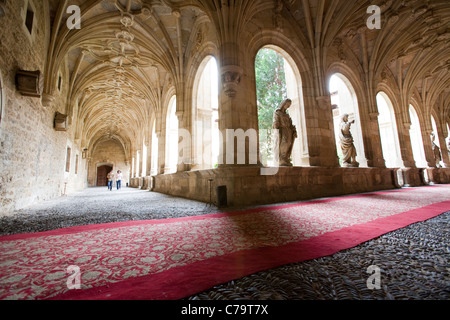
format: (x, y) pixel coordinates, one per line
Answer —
(119, 177)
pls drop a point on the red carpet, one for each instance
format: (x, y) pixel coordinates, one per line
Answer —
(173, 259)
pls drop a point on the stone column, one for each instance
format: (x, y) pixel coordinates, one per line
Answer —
(161, 152)
(184, 162)
(133, 163)
(429, 154)
(238, 118)
(149, 144)
(444, 150)
(320, 130)
(372, 142)
(140, 162)
(405, 145)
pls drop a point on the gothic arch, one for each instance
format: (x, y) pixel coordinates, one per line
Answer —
(205, 108)
(389, 135)
(417, 137)
(393, 96)
(353, 78)
(171, 132)
(359, 114)
(296, 55)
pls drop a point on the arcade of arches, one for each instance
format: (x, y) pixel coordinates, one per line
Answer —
(154, 87)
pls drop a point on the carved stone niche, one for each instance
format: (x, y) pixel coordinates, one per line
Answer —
(29, 83)
(60, 122)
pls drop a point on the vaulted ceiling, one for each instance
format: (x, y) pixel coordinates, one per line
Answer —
(121, 63)
(127, 59)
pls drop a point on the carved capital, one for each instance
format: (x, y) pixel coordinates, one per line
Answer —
(374, 116)
(231, 78)
(407, 125)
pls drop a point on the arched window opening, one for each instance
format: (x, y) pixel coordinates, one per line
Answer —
(133, 167)
(144, 159)
(388, 132)
(154, 164)
(138, 159)
(343, 98)
(172, 138)
(277, 79)
(447, 139)
(416, 139)
(206, 111)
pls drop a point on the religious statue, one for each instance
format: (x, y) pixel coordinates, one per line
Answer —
(448, 146)
(346, 142)
(287, 133)
(436, 151)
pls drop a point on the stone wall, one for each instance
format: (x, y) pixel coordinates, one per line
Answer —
(245, 185)
(32, 153)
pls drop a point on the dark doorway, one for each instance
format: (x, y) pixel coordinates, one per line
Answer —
(102, 173)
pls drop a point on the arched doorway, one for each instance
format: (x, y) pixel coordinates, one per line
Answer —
(388, 132)
(102, 173)
(344, 101)
(277, 79)
(416, 139)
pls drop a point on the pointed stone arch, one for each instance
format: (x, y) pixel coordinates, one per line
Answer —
(345, 100)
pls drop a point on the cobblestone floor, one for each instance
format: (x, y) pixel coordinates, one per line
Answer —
(414, 261)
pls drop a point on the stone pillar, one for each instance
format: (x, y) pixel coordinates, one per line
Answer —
(444, 150)
(320, 130)
(429, 154)
(149, 144)
(372, 142)
(404, 139)
(139, 155)
(132, 163)
(184, 162)
(161, 152)
(238, 117)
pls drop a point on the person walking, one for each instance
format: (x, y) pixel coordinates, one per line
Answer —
(110, 178)
(119, 178)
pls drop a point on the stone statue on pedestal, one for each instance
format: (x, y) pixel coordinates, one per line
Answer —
(287, 133)
(436, 151)
(448, 146)
(346, 142)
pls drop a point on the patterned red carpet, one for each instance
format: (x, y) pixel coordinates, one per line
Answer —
(172, 259)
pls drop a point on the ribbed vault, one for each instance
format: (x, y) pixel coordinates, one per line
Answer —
(131, 56)
(122, 63)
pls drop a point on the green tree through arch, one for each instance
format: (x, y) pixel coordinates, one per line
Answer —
(271, 90)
